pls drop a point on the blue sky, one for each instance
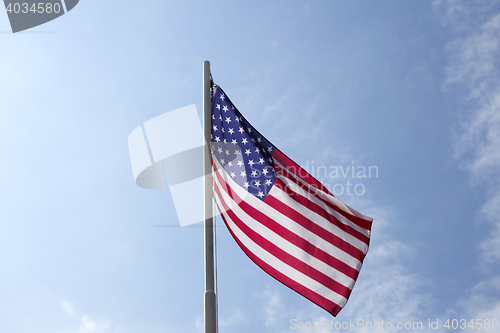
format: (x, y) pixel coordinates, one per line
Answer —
(410, 87)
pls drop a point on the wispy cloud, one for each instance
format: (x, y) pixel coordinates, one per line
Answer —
(273, 307)
(475, 65)
(463, 15)
(67, 307)
(86, 323)
(236, 318)
(483, 300)
(91, 325)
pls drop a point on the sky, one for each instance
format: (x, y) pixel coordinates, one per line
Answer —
(409, 88)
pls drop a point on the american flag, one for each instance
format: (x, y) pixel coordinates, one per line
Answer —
(287, 222)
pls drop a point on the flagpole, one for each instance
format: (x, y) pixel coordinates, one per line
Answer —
(210, 298)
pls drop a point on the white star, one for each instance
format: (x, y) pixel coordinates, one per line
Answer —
(251, 162)
(222, 129)
(231, 131)
(220, 117)
(261, 161)
(227, 152)
(268, 182)
(246, 185)
(224, 108)
(257, 183)
(243, 173)
(230, 164)
(228, 120)
(249, 130)
(233, 141)
(269, 149)
(218, 106)
(215, 127)
(233, 175)
(222, 96)
(237, 152)
(219, 150)
(247, 151)
(240, 163)
(213, 117)
(253, 140)
(265, 171)
(257, 150)
(217, 139)
(259, 139)
(241, 130)
(254, 173)
(222, 162)
(237, 120)
(244, 141)
(225, 140)
(261, 194)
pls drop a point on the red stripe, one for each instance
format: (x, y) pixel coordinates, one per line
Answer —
(293, 214)
(316, 298)
(359, 221)
(288, 235)
(311, 205)
(284, 256)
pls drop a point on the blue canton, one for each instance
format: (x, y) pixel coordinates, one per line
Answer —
(245, 155)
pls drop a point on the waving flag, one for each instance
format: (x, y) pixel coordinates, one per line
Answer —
(287, 222)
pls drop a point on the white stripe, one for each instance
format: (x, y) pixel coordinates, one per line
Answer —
(284, 244)
(329, 198)
(313, 216)
(288, 223)
(280, 266)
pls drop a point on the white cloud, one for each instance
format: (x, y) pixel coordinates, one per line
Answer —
(276, 312)
(462, 15)
(67, 307)
(91, 325)
(491, 211)
(273, 307)
(86, 323)
(475, 65)
(479, 306)
(199, 326)
(237, 317)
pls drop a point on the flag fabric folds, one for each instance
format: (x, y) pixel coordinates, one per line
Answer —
(287, 222)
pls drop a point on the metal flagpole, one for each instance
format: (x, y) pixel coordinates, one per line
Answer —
(210, 298)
